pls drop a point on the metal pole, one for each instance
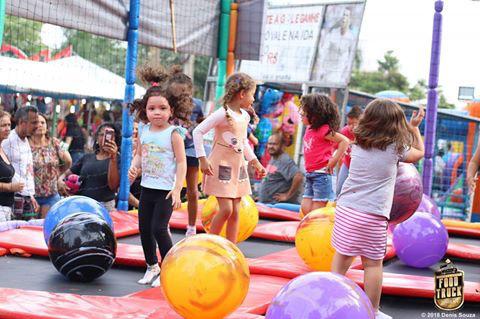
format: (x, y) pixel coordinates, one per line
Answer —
(127, 122)
(432, 103)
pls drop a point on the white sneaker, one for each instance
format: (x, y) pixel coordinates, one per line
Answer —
(156, 282)
(152, 273)
(191, 230)
(381, 315)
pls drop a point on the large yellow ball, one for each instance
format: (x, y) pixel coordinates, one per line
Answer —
(248, 217)
(205, 276)
(313, 239)
(329, 204)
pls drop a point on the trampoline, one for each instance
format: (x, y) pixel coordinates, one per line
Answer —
(31, 287)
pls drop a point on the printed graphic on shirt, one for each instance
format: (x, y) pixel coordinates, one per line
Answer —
(308, 144)
(231, 141)
(151, 159)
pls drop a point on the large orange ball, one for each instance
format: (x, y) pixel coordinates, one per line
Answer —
(313, 239)
(205, 276)
(248, 217)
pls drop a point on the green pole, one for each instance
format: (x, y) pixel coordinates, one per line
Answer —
(2, 20)
(223, 36)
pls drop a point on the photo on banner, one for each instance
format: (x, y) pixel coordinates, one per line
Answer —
(337, 46)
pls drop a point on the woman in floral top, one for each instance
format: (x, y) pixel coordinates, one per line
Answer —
(49, 163)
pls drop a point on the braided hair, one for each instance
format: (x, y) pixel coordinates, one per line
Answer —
(236, 83)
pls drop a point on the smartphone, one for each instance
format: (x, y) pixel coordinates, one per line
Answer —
(109, 135)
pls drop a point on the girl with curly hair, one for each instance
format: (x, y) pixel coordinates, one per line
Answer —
(322, 119)
(161, 162)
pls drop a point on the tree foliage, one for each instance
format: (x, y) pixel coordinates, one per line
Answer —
(23, 34)
(388, 77)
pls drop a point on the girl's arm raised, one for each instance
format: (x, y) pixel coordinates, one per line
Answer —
(343, 143)
(417, 151)
(179, 151)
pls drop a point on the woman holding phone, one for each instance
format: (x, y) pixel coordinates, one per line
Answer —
(99, 171)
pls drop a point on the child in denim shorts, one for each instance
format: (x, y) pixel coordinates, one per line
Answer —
(322, 119)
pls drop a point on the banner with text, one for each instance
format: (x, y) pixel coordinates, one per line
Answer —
(314, 44)
(290, 36)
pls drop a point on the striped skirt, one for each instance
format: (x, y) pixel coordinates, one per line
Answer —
(359, 234)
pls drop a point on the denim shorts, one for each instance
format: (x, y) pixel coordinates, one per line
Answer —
(318, 187)
(49, 200)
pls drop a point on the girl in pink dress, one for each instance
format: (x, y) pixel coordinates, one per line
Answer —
(225, 171)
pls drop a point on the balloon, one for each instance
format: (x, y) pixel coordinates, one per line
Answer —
(205, 276)
(73, 183)
(320, 295)
(407, 194)
(420, 241)
(82, 247)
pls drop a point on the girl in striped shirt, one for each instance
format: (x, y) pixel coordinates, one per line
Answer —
(383, 138)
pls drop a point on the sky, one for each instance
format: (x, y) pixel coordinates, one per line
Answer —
(405, 26)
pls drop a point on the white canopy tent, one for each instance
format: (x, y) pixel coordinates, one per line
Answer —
(72, 77)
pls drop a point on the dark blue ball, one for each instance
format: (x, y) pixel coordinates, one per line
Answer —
(71, 205)
(82, 247)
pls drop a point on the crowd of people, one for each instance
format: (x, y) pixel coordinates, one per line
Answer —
(169, 149)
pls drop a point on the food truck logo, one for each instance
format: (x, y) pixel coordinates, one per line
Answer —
(449, 287)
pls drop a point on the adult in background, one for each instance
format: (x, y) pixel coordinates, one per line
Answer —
(353, 117)
(49, 163)
(18, 151)
(284, 179)
(74, 138)
(7, 187)
(99, 171)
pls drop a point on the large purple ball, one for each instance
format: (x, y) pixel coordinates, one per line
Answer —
(407, 194)
(428, 205)
(421, 241)
(320, 295)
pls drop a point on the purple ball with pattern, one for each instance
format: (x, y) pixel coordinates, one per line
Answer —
(407, 194)
(421, 241)
(320, 295)
(428, 205)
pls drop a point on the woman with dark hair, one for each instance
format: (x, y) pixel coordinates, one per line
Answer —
(99, 171)
(7, 186)
(74, 138)
(49, 163)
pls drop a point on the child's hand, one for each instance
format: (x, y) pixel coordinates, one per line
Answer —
(132, 174)
(205, 166)
(331, 166)
(175, 195)
(17, 187)
(417, 117)
(261, 171)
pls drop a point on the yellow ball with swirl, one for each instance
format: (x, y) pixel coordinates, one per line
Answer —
(205, 276)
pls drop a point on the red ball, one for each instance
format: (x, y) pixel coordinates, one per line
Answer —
(73, 183)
